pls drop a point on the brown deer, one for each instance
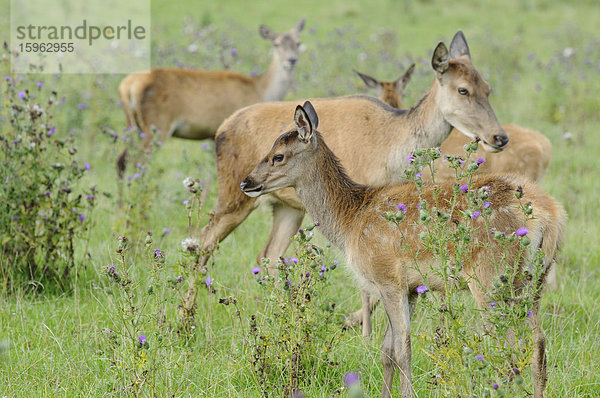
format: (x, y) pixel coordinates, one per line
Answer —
(191, 104)
(528, 154)
(371, 138)
(350, 216)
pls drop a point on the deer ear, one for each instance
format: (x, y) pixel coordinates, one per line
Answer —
(407, 75)
(440, 59)
(303, 125)
(266, 32)
(312, 114)
(369, 81)
(300, 26)
(459, 47)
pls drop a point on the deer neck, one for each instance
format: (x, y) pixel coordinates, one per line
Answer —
(276, 81)
(329, 196)
(427, 128)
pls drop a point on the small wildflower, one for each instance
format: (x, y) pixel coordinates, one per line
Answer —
(208, 281)
(255, 270)
(166, 231)
(190, 245)
(529, 313)
(307, 274)
(82, 106)
(90, 198)
(410, 159)
(350, 379)
(422, 289)
(288, 282)
(475, 214)
(87, 166)
(323, 269)
(40, 84)
(464, 188)
(159, 256)
(185, 202)
(205, 146)
(233, 52)
(479, 357)
(519, 192)
(493, 304)
(22, 95)
(495, 386)
(402, 207)
(16, 218)
(522, 231)
(486, 205)
(7, 78)
(82, 218)
(136, 176)
(179, 279)
(294, 260)
(516, 371)
(480, 161)
(418, 175)
(142, 339)
(461, 161)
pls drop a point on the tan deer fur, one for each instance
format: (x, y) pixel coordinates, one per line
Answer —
(371, 138)
(191, 104)
(350, 216)
(528, 154)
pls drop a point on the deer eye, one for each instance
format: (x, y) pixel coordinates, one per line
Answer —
(463, 91)
(277, 158)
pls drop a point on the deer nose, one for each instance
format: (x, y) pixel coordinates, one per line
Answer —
(501, 140)
(292, 61)
(244, 184)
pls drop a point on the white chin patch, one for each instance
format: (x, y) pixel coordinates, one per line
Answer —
(489, 148)
(253, 194)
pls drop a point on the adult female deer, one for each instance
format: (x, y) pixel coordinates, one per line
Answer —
(371, 138)
(528, 154)
(350, 216)
(191, 104)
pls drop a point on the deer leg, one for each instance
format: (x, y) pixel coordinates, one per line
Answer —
(551, 277)
(397, 307)
(538, 362)
(366, 314)
(286, 222)
(358, 318)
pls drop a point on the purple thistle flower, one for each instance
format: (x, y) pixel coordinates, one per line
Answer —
(288, 282)
(294, 260)
(418, 175)
(158, 254)
(351, 379)
(522, 231)
(529, 313)
(82, 106)
(160, 144)
(516, 371)
(335, 262)
(479, 357)
(82, 218)
(166, 231)
(255, 270)
(16, 218)
(205, 145)
(307, 274)
(47, 194)
(323, 269)
(90, 197)
(486, 205)
(464, 188)
(22, 95)
(54, 229)
(422, 289)
(480, 161)
(136, 176)
(495, 386)
(87, 166)
(233, 52)
(402, 207)
(493, 304)
(7, 78)
(410, 159)
(142, 339)
(475, 214)
(208, 281)
(185, 202)
(40, 84)
(461, 161)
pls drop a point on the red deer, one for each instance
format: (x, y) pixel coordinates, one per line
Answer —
(350, 216)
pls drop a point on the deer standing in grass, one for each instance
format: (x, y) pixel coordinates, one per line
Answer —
(371, 138)
(191, 104)
(350, 216)
(528, 154)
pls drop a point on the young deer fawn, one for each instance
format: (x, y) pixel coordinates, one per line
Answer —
(191, 104)
(350, 216)
(371, 138)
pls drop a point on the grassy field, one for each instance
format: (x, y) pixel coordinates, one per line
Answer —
(542, 58)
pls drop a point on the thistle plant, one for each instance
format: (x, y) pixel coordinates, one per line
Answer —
(43, 208)
(467, 360)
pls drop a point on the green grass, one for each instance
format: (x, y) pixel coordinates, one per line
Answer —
(55, 341)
